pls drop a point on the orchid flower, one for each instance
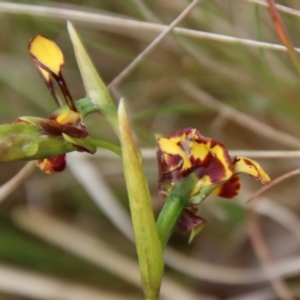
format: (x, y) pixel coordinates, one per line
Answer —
(186, 152)
(47, 140)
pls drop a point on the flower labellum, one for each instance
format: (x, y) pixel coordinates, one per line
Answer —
(186, 152)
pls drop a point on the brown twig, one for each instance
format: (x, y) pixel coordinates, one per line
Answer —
(128, 26)
(288, 10)
(89, 247)
(238, 117)
(265, 259)
(7, 188)
(260, 247)
(283, 34)
(34, 285)
(273, 183)
(151, 46)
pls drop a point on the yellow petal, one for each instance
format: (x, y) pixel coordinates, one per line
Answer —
(68, 118)
(251, 167)
(49, 60)
(199, 151)
(168, 147)
(221, 153)
(45, 74)
(47, 54)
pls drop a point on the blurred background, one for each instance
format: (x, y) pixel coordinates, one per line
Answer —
(68, 235)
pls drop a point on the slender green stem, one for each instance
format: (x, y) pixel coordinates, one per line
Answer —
(173, 208)
(91, 145)
(106, 145)
(86, 106)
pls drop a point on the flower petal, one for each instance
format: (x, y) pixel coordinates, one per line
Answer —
(68, 117)
(169, 148)
(52, 164)
(47, 54)
(49, 60)
(188, 220)
(251, 167)
(188, 151)
(173, 164)
(196, 230)
(229, 189)
(210, 159)
(220, 167)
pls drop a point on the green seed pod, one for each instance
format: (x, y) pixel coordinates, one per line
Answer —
(20, 141)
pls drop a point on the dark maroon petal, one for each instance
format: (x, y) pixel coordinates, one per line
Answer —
(52, 164)
(229, 189)
(58, 163)
(51, 127)
(215, 169)
(188, 220)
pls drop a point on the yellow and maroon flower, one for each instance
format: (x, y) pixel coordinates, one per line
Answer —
(67, 120)
(186, 152)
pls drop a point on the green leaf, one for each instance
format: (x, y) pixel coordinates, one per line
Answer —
(94, 86)
(146, 236)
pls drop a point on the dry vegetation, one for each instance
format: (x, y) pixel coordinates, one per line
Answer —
(68, 236)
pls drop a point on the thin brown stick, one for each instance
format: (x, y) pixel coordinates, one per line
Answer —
(34, 285)
(254, 294)
(265, 259)
(238, 117)
(260, 247)
(273, 183)
(89, 247)
(150, 153)
(151, 46)
(283, 34)
(279, 7)
(7, 188)
(126, 25)
(91, 179)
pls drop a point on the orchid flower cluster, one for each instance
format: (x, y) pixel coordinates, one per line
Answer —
(184, 152)
(190, 166)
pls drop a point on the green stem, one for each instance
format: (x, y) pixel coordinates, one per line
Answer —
(91, 145)
(106, 145)
(86, 106)
(170, 213)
